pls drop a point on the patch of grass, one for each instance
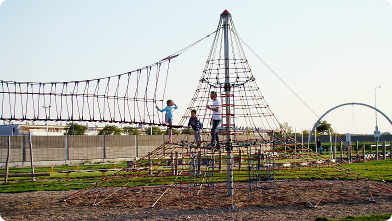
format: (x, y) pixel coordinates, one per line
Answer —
(372, 168)
(373, 217)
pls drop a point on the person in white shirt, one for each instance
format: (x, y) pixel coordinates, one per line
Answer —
(216, 118)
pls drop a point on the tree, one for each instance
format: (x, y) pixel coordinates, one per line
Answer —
(110, 130)
(155, 131)
(75, 129)
(131, 130)
(186, 131)
(323, 128)
(285, 126)
(306, 133)
(174, 131)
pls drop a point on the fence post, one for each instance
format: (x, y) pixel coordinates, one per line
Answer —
(341, 149)
(384, 157)
(66, 149)
(390, 149)
(23, 150)
(364, 153)
(334, 152)
(149, 164)
(31, 158)
(136, 147)
(104, 148)
(8, 159)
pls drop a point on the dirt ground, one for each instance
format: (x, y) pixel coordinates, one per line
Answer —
(299, 201)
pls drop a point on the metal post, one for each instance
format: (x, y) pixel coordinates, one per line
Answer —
(384, 157)
(23, 151)
(31, 158)
(66, 149)
(315, 141)
(176, 164)
(136, 148)
(8, 159)
(334, 152)
(240, 159)
(220, 161)
(376, 158)
(390, 149)
(341, 149)
(149, 164)
(103, 149)
(226, 16)
(364, 153)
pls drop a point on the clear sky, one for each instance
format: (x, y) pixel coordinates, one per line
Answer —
(329, 52)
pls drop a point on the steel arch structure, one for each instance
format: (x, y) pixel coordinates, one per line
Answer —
(366, 105)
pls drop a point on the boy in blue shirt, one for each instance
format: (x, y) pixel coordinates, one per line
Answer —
(169, 116)
(196, 125)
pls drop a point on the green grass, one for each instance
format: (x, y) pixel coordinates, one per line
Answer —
(57, 182)
(373, 217)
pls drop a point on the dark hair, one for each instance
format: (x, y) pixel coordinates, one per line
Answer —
(193, 111)
(168, 102)
(214, 93)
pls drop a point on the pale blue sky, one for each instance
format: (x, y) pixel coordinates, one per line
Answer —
(328, 51)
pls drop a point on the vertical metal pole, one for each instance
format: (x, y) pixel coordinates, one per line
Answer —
(23, 151)
(384, 157)
(136, 147)
(376, 158)
(330, 141)
(66, 149)
(341, 149)
(364, 153)
(8, 159)
(103, 149)
(31, 158)
(390, 149)
(315, 140)
(226, 16)
(149, 164)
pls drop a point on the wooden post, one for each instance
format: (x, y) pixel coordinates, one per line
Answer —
(384, 157)
(8, 159)
(31, 158)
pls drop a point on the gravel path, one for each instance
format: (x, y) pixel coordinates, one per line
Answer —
(287, 205)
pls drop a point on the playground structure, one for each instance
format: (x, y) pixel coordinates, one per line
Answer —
(183, 174)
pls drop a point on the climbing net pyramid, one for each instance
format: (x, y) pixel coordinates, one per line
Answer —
(257, 164)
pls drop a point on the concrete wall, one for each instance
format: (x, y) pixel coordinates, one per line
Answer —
(63, 149)
(354, 138)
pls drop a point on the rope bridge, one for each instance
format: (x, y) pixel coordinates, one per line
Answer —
(124, 98)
